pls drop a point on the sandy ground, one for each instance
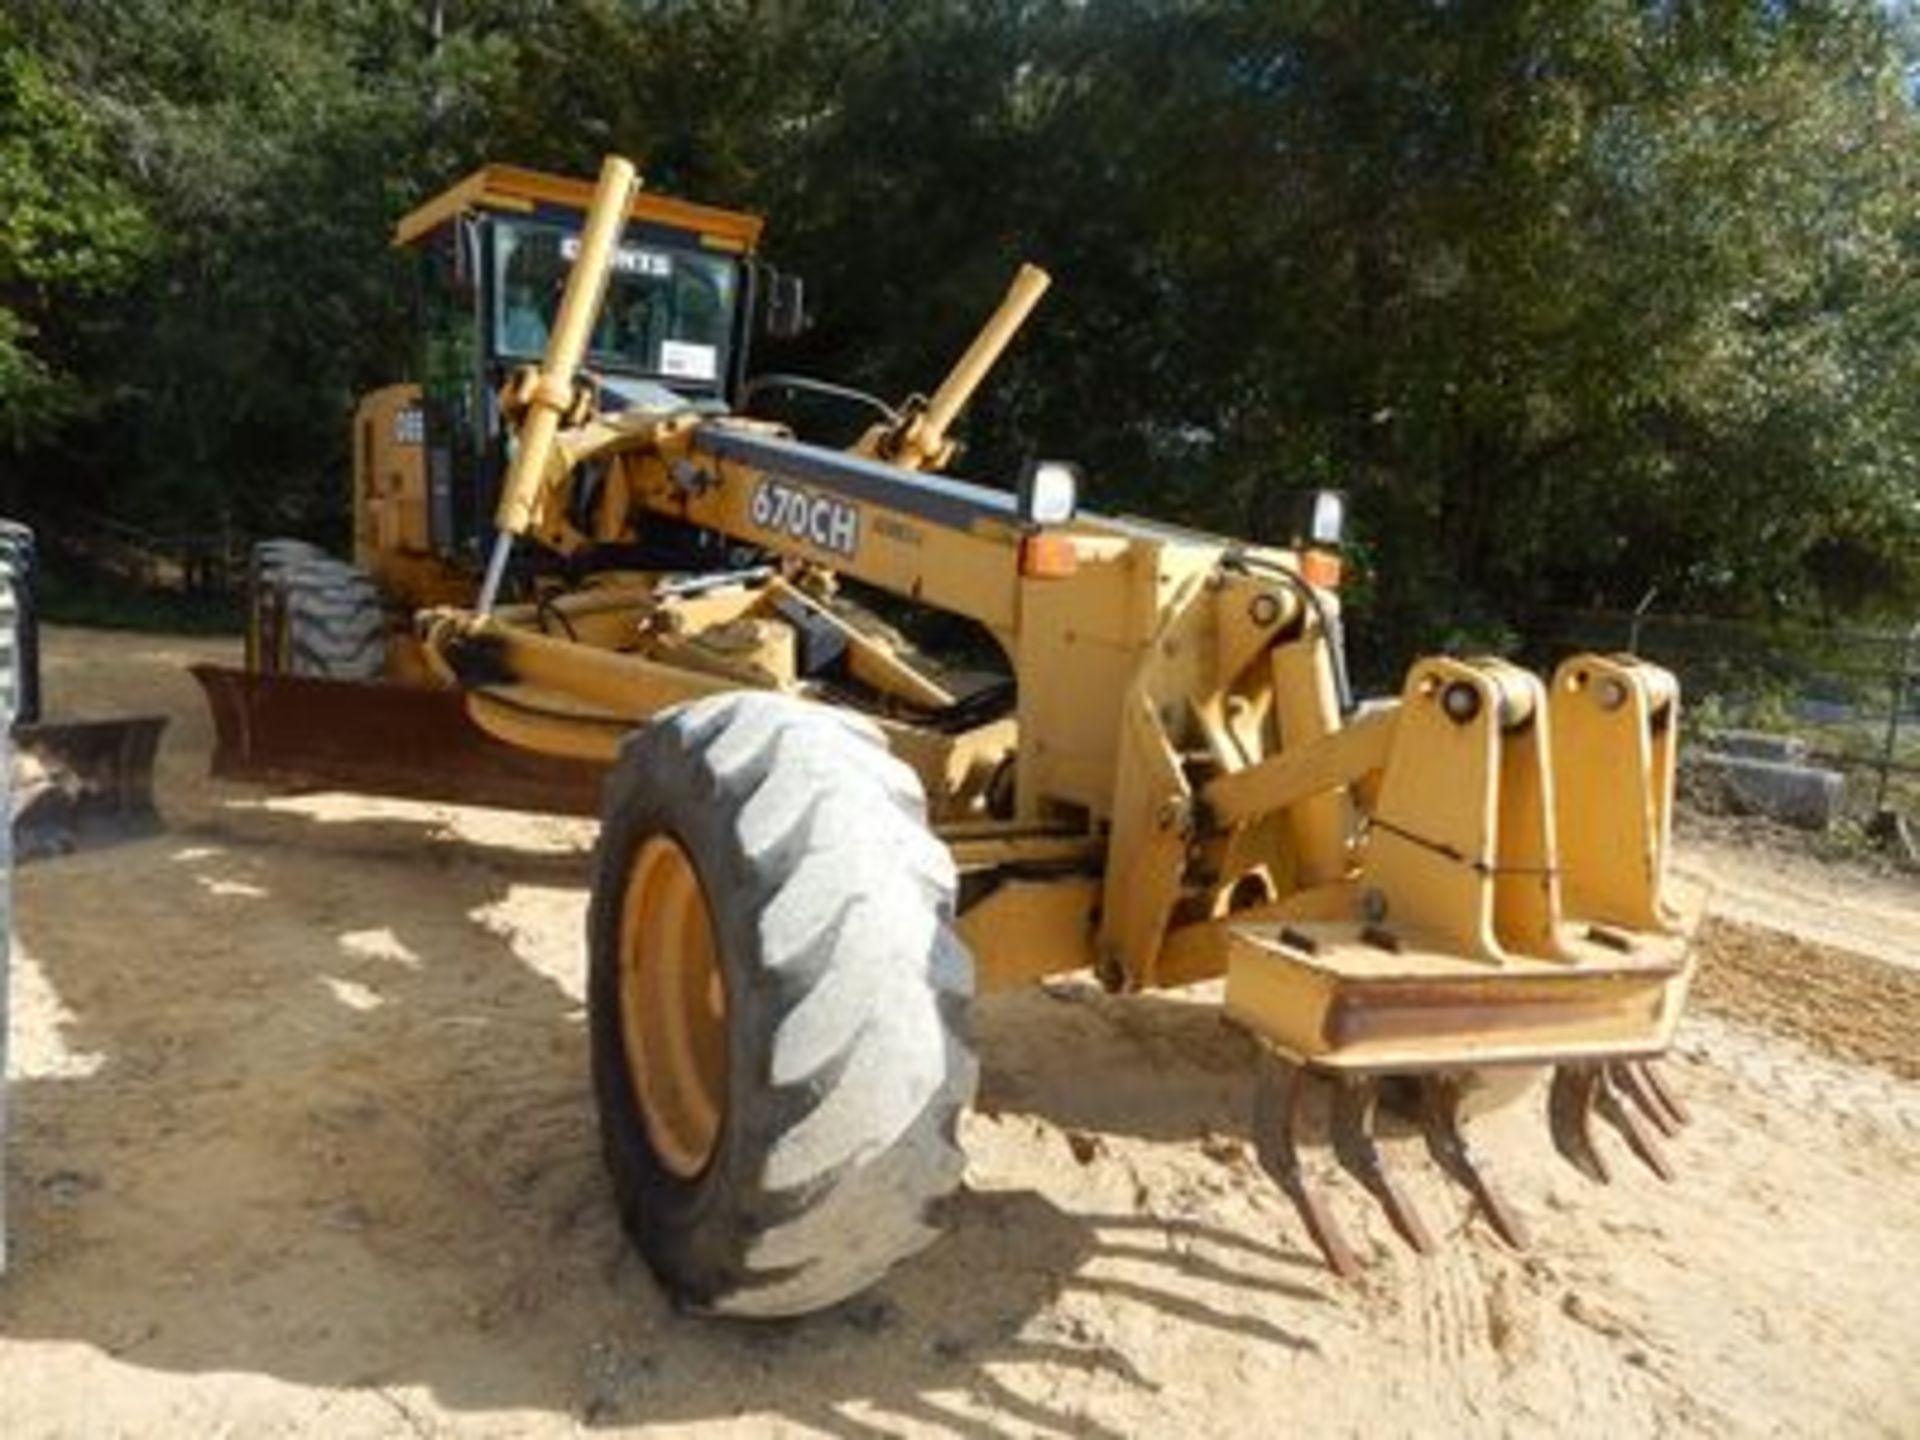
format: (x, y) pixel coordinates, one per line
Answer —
(302, 1144)
(1843, 906)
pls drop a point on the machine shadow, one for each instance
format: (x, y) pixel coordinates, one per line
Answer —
(323, 1115)
(1174, 1069)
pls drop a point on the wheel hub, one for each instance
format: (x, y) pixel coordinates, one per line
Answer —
(673, 1007)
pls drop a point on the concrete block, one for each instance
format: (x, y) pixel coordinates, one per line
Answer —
(1801, 795)
(1758, 745)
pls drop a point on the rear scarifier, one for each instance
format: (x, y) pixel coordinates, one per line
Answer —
(1632, 1096)
(849, 1059)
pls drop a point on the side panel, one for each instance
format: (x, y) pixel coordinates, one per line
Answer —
(393, 524)
(389, 477)
(944, 543)
(1080, 643)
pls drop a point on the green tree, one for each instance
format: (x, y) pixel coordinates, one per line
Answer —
(1576, 298)
(69, 231)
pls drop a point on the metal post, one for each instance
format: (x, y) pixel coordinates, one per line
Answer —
(1639, 613)
(1891, 748)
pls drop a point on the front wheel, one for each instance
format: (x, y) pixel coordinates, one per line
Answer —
(777, 1003)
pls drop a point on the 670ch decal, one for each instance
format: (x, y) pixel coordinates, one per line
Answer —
(823, 521)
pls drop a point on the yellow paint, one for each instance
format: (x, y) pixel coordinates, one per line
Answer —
(1029, 928)
(921, 442)
(552, 395)
(1616, 721)
(516, 190)
(1417, 886)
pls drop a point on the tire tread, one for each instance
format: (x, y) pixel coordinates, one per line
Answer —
(864, 1063)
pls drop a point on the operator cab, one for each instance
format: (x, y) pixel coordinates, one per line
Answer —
(494, 253)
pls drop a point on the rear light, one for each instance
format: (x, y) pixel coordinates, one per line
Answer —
(1321, 568)
(1048, 557)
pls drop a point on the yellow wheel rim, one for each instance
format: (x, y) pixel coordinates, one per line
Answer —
(673, 1007)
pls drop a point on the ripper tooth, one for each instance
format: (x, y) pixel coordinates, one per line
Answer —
(1628, 1121)
(1355, 1104)
(1279, 1098)
(1440, 1098)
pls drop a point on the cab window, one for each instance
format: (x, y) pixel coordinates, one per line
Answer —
(668, 312)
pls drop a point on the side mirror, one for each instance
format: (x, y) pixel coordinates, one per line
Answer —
(1049, 492)
(786, 314)
(1327, 521)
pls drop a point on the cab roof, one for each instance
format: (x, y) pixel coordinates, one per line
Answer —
(520, 191)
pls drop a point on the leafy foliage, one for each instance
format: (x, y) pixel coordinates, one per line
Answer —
(68, 229)
(1577, 299)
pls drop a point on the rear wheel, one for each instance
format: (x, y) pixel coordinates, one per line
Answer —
(310, 614)
(777, 1002)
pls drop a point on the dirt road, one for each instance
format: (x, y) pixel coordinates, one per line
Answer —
(303, 1145)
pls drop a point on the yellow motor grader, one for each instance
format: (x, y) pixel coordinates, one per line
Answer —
(819, 841)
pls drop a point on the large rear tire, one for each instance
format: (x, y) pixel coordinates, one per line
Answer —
(19, 568)
(310, 614)
(10, 668)
(9, 653)
(777, 1003)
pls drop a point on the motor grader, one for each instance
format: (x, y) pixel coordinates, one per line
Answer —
(819, 841)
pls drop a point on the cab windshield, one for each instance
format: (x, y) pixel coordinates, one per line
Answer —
(668, 312)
